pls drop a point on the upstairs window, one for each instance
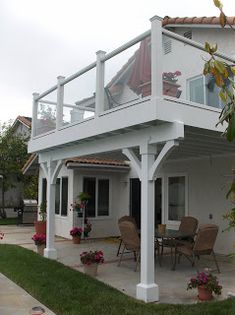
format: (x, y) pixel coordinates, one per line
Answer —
(203, 90)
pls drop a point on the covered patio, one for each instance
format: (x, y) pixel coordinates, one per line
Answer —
(172, 283)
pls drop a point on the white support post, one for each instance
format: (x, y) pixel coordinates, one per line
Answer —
(60, 102)
(147, 290)
(53, 169)
(99, 97)
(156, 57)
(35, 113)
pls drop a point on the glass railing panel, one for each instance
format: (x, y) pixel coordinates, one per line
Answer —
(183, 76)
(128, 75)
(79, 98)
(46, 114)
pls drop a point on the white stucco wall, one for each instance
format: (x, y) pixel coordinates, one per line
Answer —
(102, 227)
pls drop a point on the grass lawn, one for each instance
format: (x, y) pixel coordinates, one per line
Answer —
(8, 221)
(69, 292)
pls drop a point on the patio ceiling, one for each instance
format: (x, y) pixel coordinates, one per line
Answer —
(198, 143)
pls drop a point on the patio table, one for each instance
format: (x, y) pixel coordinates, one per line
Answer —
(172, 236)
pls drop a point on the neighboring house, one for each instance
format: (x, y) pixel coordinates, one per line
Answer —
(21, 127)
(159, 113)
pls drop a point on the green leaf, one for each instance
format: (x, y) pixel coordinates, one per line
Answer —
(230, 133)
(233, 70)
(220, 66)
(218, 4)
(207, 47)
(222, 96)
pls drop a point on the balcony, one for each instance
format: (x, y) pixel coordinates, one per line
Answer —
(153, 79)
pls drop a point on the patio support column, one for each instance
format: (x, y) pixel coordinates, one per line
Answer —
(147, 290)
(51, 169)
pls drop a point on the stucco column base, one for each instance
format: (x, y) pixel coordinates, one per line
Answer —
(50, 253)
(147, 292)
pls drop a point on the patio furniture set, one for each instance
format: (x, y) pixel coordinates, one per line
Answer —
(186, 241)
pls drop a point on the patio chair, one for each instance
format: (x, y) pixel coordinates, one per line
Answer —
(204, 245)
(122, 219)
(130, 239)
(188, 225)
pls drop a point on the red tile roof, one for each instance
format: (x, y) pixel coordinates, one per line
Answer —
(97, 161)
(212, 20)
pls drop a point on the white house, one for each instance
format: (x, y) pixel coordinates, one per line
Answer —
(130, 124)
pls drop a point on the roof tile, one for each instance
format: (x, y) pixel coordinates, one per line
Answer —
(211, 20)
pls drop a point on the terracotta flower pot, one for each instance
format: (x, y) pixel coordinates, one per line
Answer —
(40, 249)
(204, 294)
(40, 227)
(91, 270)
(76, 239)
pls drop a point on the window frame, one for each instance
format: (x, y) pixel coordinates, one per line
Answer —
(175, 223)
(205, 93)
(60, 198)
(97, 178)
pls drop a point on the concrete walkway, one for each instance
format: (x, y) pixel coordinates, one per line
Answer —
(16, 301)
(172, 284)
(13, 299)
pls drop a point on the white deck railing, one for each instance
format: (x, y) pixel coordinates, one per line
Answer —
(52, 111)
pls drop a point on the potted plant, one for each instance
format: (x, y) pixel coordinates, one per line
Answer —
(170, 86)
(91, 260)
(40, 226)
(76, 234)
(40, 242)
(87, 228)
(207, 284)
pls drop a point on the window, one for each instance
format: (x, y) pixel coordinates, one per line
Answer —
(99, 190)
(203, 90)
(44, 190)
(61, 196)
(57, 196)
(64, 196)
(176, 198)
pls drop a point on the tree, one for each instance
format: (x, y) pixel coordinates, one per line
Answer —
(13, 154)
(223, 74)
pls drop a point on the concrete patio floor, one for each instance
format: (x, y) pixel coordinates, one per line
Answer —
(172, 284)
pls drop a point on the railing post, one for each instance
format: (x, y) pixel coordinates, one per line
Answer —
(35, 113)
(60, 102)
(156, 57)
(99, 97)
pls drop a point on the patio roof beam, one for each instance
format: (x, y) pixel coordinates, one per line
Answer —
(156, 134)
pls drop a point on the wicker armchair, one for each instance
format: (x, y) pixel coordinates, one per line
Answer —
(122, 219)
(130, 239)
(204, 245)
